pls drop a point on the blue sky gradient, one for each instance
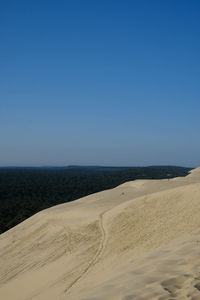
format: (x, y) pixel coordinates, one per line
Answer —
(100, 82)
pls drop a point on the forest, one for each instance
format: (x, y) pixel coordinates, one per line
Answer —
(26, 190)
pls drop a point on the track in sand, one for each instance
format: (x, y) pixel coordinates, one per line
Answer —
(97, 255)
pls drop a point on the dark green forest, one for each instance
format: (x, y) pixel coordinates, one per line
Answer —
(25, 191)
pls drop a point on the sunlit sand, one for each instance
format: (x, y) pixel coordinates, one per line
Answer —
(140, 240)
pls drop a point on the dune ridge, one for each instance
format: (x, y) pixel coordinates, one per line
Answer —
(140, 240)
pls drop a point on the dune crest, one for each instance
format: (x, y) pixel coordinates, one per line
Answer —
(139, 240)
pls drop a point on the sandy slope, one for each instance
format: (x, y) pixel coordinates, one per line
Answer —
(140, 240)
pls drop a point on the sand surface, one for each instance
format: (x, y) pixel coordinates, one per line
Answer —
(140, 240)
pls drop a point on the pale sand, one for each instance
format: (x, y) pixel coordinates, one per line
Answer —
(140, 240)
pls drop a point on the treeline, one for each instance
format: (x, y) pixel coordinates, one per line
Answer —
(25, 191)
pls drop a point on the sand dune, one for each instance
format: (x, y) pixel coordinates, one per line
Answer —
(140, 240)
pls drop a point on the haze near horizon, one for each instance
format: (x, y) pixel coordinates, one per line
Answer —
(99, 83)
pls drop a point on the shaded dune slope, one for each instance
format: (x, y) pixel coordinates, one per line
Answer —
(140, 240)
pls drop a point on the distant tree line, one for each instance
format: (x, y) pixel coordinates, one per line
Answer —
(25, 191)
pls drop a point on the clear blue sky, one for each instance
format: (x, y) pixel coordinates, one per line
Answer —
(100, 82)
